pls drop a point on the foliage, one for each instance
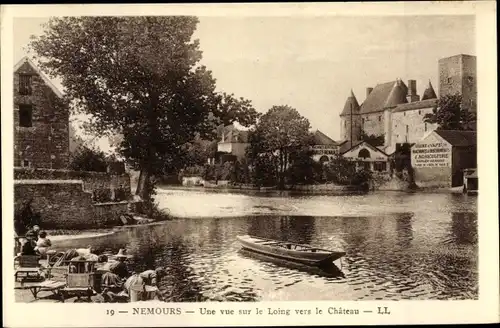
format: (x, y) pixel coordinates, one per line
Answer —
(88, 158)
(136, 76)
(339, 170)
(451, 114)
(278, 135)
(229, 109)
(372, 139)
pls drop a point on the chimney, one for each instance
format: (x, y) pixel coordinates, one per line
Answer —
(412, 91)
(368, 91)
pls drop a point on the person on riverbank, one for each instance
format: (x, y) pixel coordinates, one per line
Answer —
(26, 247)
(43, 243)
(143, 283)
(32, 234)
(117, 271)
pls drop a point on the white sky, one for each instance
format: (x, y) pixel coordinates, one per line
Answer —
(311, 63)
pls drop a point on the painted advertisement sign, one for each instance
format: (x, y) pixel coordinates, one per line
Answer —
(431, 152)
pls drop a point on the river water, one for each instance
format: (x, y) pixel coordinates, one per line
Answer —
(399, 246)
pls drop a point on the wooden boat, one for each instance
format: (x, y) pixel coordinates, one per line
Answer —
(305, 254)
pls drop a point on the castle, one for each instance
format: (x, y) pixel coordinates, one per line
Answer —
(396, 111)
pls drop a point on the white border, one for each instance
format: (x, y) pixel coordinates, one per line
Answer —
(486, 309)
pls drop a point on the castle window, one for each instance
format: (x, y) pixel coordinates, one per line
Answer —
(470, 79)
(449, 80)
(404, 113)
(363, 120)
(380, 118)
(25, 116)
(425, 127)
(407, 129)
(24, 84)
(25, 163)
(419, 112)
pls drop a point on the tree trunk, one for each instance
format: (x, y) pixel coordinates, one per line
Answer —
(143, 185)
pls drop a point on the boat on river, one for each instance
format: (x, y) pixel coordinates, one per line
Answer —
(301, 253)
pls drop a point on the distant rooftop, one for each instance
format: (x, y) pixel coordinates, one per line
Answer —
(459, 138)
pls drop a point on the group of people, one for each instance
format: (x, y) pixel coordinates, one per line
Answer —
(118, 283)
(35, 242)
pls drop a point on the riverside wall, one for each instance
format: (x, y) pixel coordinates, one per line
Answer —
(63, 204)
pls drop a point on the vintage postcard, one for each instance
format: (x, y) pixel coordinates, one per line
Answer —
(249, 164)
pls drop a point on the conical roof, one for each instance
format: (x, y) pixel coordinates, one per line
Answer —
(351, 103)
(396, 96)
(429, 92)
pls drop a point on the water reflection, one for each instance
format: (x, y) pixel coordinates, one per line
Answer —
(464, 227)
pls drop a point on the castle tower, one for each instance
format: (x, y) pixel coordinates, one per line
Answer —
(429, 92)
(457, 74)
(350, 119)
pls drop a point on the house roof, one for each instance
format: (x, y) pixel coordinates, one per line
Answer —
(377, 99)
(415, 105)
(351, 103)
(322, 139)
(235, 136)
(459, 138)
(429, 92)
(40, 73)
(346, 146)
(357, 144)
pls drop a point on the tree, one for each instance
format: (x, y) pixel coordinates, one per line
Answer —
(229, 109)
(137, 76)
(451, 114)
(88, 158)
(279, 133)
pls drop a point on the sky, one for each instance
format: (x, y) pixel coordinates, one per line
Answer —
(312, 63)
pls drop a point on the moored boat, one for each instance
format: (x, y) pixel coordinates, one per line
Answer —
(305, 254)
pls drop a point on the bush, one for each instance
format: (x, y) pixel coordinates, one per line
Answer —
(86, 158)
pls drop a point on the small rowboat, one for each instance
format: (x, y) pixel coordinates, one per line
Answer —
(289, 251)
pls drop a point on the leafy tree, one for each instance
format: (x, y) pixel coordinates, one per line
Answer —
(372, 139)
(137, 76)
(88, 158)
(451, 114)
(230, 109)
(277, 136)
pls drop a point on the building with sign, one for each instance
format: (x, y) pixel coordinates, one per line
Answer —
(440, 158)
(366, 156)
(324, 148)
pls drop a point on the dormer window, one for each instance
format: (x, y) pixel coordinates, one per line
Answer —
(25, 84)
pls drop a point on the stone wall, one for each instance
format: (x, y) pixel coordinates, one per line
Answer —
(63, 204)
(91, 180)
(457, 74)
(373, 123)
(45, 143)
(413, 120)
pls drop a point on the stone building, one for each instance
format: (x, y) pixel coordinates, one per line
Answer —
(396, 111)
(440, 158)
(457, 74)
(41, 120)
